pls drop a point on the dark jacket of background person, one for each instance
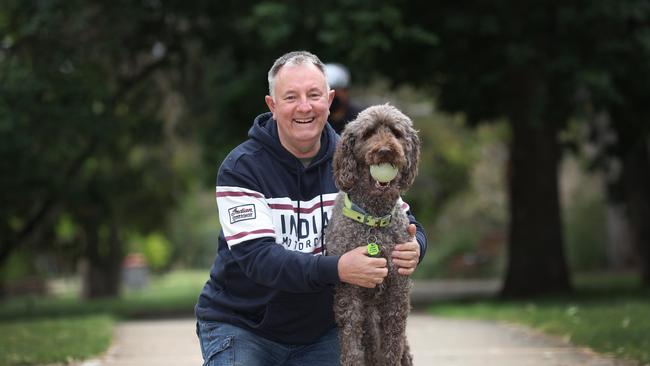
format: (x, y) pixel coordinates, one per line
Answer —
(342, 109)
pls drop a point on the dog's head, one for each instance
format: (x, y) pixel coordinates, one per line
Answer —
(380, 135)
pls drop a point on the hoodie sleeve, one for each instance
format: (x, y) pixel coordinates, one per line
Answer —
(420, 234)
(248, 228)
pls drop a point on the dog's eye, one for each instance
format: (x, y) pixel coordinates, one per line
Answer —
(369, 132)
(397, 133)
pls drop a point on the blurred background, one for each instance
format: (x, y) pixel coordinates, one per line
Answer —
(115, 116)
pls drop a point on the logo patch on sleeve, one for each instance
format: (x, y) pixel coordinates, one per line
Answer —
(241, 213)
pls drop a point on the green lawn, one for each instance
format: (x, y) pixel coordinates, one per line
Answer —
(606, 314)
(28, 342)
(37, 330)
(173, 294)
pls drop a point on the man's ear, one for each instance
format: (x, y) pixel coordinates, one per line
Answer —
(330, 97)
(270, 103)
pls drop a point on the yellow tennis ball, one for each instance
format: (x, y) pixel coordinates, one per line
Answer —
(384, 172)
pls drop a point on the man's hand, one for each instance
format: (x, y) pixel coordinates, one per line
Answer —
(356, 268)
(407, 255)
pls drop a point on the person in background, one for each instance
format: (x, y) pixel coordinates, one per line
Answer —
(269, 296)
(342, 109)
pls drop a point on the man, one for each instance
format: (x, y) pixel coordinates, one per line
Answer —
(269, 297)
(342, 110)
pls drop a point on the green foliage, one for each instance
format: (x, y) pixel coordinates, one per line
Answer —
(194, 229)
(97, 108)
(80, 114)
(449, 246)
(225, 90)
(116, 94)
(22, 342)
(467, 237)
(17, 267)
(585, 219)
(586, 236)
(66, 229)
(448, 152)
(156, 249)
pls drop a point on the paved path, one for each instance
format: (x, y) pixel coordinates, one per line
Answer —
(434, 341)
(452, 342)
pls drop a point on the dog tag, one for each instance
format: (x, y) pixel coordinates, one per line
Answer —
(373, 249)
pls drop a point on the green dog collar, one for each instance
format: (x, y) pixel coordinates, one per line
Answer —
(356, 213)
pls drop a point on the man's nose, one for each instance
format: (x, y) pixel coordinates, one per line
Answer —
(304, 105)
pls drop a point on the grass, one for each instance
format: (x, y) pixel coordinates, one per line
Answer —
(173, 294)
(605, 314)
(28, 342)
(59, 329)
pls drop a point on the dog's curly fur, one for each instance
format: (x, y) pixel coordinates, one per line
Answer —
(372, 322)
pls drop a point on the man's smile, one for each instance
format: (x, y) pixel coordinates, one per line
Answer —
(303, 120)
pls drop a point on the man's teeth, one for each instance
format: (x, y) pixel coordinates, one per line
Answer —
(303, 120)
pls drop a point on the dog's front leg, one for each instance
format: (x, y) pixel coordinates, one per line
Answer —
(394, 312)
(348, 311)
(371, 336)
(407, 358)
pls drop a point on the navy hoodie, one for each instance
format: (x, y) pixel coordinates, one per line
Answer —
(270, 275)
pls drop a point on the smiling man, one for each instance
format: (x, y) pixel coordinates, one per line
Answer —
(299, 100)
(268, 300)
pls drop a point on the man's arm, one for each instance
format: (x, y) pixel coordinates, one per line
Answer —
(407, 255)
(249, 230)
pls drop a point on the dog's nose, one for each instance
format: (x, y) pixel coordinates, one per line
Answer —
(384, 152)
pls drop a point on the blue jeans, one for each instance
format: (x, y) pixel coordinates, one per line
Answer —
(223, 344)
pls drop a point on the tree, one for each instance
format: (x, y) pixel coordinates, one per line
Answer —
(517, 61)
(94, 150)
(630, 116)
(81, 108)
(618, 86)
(82, 130)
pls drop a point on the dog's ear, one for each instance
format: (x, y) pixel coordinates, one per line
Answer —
(344, 164)
(410, 169)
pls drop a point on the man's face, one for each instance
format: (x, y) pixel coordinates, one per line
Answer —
(300, 106)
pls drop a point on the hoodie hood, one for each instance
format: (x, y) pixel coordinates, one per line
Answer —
(265, 132)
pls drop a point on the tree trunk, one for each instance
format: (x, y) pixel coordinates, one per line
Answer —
(536, 262)
(636, 182)
(102, 269)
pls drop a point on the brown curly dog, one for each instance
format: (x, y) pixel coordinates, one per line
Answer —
(372, 322)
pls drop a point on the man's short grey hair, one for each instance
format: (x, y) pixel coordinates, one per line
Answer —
(293, 59)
